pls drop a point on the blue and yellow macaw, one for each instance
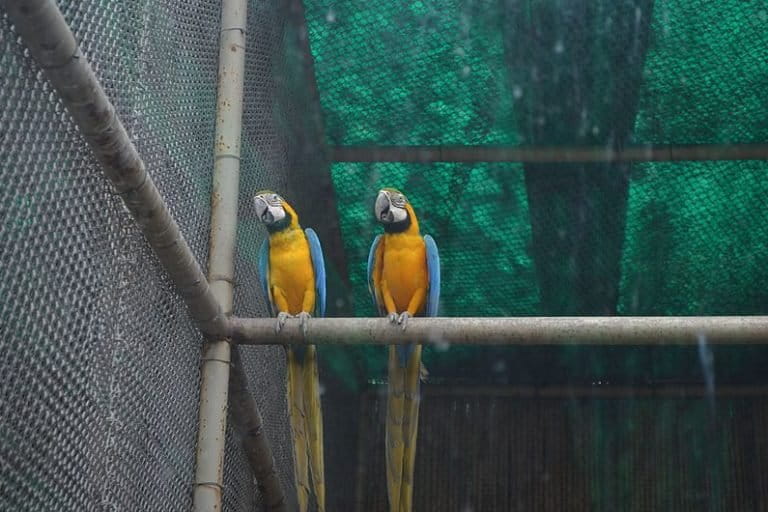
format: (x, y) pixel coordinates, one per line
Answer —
(292, 275)
(404, 281)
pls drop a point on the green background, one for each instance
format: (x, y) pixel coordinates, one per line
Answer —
(682, 238)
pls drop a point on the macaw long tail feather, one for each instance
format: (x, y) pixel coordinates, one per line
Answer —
(314, 425)
(394, 429)
(402, 427)
(297, 415)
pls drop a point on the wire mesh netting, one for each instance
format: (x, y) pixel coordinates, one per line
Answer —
(567, 451)
(677, 238)
(100, 370)
(555, 239)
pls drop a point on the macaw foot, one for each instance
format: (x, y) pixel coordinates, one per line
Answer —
(423, 373)
(392, 318)
(303, 321)
(281, 318)
(403, 319)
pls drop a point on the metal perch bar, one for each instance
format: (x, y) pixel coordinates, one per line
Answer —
(614, 330)
(52, 44)
(549, 155)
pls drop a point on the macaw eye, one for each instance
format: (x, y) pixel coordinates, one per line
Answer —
(274, 197)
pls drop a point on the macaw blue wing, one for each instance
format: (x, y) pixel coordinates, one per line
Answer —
(264, 275)
(433, 268)
(318, 265)
(371, 262)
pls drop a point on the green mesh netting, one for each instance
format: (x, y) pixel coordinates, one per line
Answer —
(523, 239)
(679, 238)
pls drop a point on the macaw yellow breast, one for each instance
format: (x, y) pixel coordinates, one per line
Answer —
(290, 267)
(405, 268)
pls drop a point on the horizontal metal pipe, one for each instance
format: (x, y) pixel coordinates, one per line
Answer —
(52, 44)
(597, 391)
(613, 330)
(549, 155)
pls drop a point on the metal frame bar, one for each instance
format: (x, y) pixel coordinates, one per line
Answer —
(548, 155)
(52, 44)
(608, 391)
(615, 330)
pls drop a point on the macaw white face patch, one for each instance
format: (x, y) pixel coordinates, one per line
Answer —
(269, 208)
(390, 207)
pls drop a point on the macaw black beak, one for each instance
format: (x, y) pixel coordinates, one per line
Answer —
(382, 207)
(262, 210)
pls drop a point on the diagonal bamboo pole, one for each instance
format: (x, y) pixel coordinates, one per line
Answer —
(246, 418)
(52, 44)
(598, 330)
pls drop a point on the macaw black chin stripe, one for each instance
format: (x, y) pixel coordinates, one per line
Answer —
(281, 224)
(398, 227)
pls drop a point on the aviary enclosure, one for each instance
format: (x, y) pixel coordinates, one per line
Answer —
(593, 172)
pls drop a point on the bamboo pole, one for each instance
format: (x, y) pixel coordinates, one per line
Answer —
(551, 155)
(246, 418)
(212, 425)
(52, 44)
(614, 330)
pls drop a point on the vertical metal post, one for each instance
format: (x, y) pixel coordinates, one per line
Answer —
(226, 173)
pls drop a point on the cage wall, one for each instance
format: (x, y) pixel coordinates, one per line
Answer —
(531, 238)
(516, 448)
(610, 238)
(99, 376)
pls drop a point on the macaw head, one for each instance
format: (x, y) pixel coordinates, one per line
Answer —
(393, 210)
(273, 211)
